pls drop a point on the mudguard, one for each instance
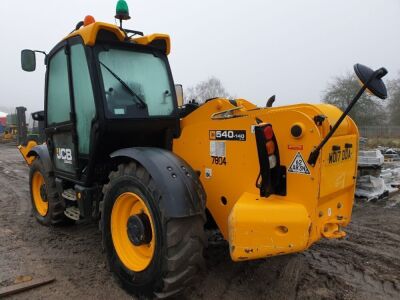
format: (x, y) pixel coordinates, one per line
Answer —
(43, 152)
(182, 192)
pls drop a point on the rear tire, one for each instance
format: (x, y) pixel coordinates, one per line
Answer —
(47, 205)
(178, 242)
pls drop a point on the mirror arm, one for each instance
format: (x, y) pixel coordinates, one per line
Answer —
(44, 53)
(40, 51)
(315, 153)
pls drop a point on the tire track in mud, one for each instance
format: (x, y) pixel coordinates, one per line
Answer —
(14, 184)
(366, 271)
(15, 210)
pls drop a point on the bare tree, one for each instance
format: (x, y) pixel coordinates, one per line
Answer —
(210, 88)
(394, 101)
(368, 110)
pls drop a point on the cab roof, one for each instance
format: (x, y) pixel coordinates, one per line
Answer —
(89, 34)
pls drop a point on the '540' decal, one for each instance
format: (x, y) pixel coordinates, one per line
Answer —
(228, 135)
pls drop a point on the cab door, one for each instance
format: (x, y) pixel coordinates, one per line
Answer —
(83, 101)
(59, 112)
(70, 109)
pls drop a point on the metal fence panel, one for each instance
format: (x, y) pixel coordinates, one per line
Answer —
(379, 131)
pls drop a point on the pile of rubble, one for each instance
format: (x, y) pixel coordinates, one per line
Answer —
(390, 154)
(378, 173)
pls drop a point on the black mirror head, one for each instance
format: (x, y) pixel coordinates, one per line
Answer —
(38, 116)
(28, 60)
(372, 80)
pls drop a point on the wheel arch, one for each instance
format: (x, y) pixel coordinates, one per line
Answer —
(182, 192)
(43, 152)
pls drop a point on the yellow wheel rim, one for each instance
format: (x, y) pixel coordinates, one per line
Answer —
(135, 258)
(38, 186)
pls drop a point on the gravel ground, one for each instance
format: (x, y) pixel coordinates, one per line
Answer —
(365, 265)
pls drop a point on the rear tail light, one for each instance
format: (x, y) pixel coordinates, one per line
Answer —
(272, 174)
(272, 161)
(268, 132)
(270, 147)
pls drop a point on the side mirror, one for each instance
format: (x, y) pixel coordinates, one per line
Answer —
(179, 94)
(38, 116)
(28, 60)
(372, 80)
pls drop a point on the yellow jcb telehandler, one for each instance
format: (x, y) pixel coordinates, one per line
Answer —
(122, 148)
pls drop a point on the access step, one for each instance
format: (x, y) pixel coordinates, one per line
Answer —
(73, 213)
(69, 194)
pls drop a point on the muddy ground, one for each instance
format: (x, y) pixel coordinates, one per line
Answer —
(365, 265)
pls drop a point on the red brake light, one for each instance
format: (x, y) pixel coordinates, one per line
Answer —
(268, 133)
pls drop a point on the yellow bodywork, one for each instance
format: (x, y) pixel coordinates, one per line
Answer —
(8, 136)
(25, 150)
(10, 133)
(316, 205)
(89, 35)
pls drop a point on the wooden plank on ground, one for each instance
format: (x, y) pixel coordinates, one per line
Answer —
(20, 287)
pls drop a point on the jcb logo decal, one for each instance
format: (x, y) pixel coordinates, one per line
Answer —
(212, 134)
(65, 154)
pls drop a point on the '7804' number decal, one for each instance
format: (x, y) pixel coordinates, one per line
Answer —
(216, 160)
(228, 135)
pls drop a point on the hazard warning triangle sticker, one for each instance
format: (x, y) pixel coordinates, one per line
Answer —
(298, 165)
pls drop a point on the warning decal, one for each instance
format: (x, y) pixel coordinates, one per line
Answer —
(298, 165)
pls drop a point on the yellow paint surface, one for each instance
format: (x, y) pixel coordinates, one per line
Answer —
(316, 205)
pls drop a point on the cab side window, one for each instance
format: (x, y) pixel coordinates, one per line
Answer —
(58, 97)
(85, 109)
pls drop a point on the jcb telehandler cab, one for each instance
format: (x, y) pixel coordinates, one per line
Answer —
(120, 147)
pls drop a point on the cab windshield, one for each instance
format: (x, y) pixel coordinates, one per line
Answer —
(135, 84)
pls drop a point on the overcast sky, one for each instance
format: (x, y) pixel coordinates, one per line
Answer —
(257, 48)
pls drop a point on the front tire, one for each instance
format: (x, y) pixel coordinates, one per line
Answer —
(151, 254)
(47, 205)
